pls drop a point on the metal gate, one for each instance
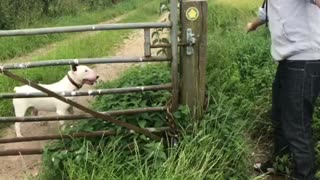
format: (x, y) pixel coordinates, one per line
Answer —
(106, 116)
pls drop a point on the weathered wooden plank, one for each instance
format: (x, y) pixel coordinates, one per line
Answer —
(193, 67)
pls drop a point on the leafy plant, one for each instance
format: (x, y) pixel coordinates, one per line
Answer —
(159, 35)
(149, 75)
(284, 164)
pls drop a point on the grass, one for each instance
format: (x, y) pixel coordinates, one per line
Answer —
(11, 47)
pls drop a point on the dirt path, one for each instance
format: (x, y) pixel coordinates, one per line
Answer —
(52, 47)
(21, 167)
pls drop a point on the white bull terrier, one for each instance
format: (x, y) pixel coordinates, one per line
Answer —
(74, 80)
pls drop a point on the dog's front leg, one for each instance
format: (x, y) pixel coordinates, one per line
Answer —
(19, 112)
(35, 112)
(17, 127)
(62, 112)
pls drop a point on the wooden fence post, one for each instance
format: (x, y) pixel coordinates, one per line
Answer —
(194, 21)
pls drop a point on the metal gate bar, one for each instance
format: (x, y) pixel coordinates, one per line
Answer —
(17, 152)
(147, 42)
(81, 116)
(79, 106)
(83, 61)
(69, 29)
(72, 136)
(55, 137)
(88, 93)
(166, 45)
(174, 54)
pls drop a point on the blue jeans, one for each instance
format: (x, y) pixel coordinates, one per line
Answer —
(295, 90)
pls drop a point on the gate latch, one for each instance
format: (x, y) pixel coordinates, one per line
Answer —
(191, 40)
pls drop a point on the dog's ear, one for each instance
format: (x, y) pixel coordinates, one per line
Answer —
(74, 67)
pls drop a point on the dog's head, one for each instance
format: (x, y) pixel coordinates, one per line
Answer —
(83, 75)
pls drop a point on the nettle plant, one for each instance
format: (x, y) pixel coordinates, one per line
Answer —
(160, 35)
(77, 150)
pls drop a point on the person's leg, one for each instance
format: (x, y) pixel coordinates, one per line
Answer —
(281, 146)
(297, 102)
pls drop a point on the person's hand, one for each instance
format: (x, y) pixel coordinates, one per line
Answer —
(317, 3)
(250, 27)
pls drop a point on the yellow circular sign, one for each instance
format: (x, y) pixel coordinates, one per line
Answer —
(192, 14)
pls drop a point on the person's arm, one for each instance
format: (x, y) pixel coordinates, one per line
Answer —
(262, 18)
(317, 2)
(252, 26)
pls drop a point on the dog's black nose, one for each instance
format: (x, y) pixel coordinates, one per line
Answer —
(97, 77)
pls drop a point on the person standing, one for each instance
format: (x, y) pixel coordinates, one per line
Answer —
(295, 35)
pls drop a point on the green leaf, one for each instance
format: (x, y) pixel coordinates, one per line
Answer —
(142, 123)
(158, 123)
(155, 41)
(160, 52)
(162, 155)
(163, 8)
(155, 33)
(165, 41)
